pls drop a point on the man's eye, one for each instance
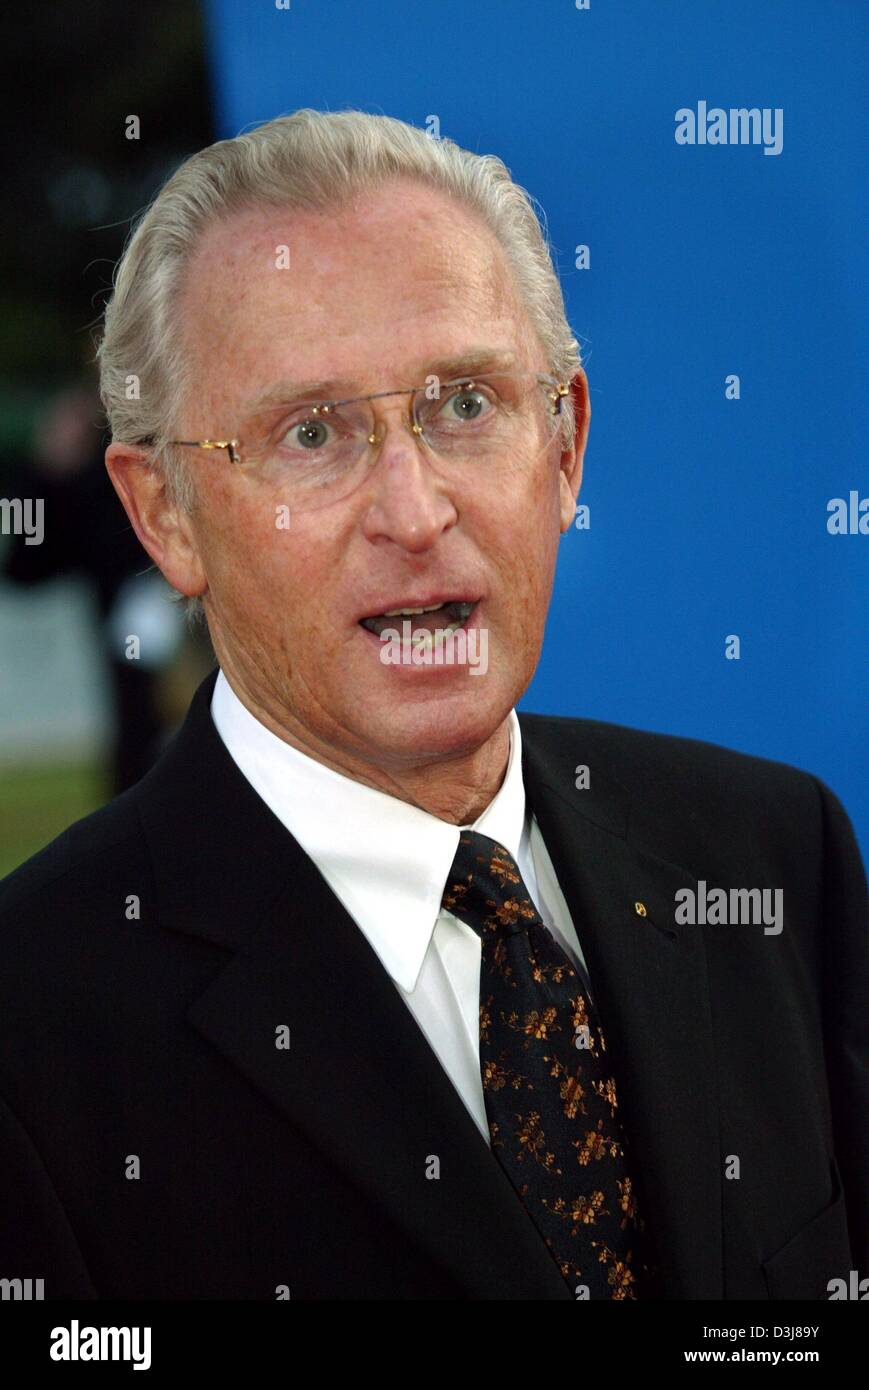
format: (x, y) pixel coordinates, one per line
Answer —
(308, 434)
(466, 405)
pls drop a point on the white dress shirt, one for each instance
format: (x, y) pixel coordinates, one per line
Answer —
(387, 862)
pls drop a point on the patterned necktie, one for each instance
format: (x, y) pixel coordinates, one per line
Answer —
(550, 1095)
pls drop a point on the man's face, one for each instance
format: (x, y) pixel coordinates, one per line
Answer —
(374, 294)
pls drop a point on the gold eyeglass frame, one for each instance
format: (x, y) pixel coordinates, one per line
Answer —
(235, 446)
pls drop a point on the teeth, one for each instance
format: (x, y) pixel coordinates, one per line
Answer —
(411, 612)
(433, 640)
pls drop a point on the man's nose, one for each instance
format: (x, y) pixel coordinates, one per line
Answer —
(407, 499)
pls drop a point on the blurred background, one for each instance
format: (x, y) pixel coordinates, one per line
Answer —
(707, 515)
(78, 719)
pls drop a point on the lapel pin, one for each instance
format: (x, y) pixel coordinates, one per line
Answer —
(640, 909)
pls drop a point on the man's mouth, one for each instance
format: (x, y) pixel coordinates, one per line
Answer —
(448, 616)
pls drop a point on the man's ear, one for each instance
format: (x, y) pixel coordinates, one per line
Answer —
(162, 526)
(572, 458)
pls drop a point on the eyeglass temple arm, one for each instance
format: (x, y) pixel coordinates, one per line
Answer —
(232, 445)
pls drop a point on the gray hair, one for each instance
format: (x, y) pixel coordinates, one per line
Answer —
(308, 160)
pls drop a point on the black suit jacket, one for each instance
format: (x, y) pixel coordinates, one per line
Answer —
(260, 1168)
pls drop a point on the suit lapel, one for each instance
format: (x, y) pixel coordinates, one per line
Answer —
(359, 1080)
(649, 979)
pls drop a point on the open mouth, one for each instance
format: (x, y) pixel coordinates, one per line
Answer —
(440, 617)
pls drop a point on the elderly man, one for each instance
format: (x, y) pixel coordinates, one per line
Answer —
(371, 988)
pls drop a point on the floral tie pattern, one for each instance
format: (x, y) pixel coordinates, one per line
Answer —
(551, 1099)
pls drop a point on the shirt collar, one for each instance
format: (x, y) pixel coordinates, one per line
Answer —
(386, 860)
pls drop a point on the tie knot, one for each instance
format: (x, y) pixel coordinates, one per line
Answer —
(485, 888)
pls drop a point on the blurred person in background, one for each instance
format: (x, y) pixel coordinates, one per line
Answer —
(77, 179)
(87, 534)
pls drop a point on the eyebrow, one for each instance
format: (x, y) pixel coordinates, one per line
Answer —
(451, 368)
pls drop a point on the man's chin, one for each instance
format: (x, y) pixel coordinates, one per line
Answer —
(414, 727)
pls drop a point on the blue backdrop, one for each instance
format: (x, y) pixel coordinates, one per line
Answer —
(708, 516)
